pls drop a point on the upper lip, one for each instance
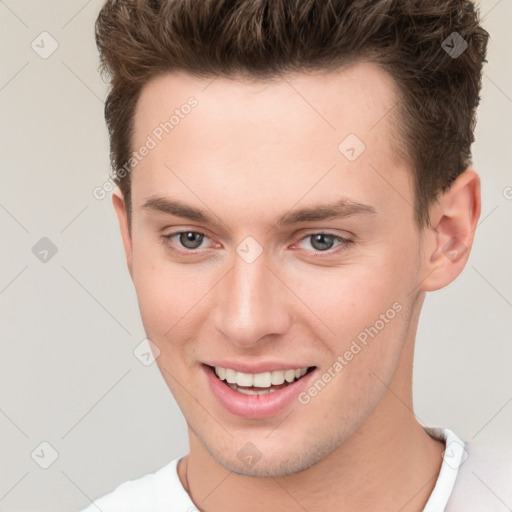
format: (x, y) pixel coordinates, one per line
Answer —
(260, 367)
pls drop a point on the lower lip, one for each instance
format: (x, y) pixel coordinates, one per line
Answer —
(255, 406)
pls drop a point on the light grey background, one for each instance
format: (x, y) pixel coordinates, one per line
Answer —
(68, 375)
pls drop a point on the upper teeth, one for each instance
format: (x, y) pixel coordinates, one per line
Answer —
(259, 380)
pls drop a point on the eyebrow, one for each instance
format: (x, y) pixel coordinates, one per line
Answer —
(335, 210)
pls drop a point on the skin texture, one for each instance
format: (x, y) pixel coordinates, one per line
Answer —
(247, 154)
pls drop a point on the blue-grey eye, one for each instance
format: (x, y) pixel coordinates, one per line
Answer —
(191, 239)
(322, 241)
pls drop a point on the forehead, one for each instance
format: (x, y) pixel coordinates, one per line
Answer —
(351, 99)
(269, 136)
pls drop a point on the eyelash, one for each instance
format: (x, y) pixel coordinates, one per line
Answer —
(344, 243)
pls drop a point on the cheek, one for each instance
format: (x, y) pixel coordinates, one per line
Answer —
(347, 299)
(158, 290)
(172, 297)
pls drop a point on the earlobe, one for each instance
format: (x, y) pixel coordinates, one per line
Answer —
(122, 217)
(449, 238)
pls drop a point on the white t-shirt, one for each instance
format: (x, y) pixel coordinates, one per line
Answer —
(468, 481)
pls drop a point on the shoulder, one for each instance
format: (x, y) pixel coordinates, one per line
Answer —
(156, 491)
(484, 479)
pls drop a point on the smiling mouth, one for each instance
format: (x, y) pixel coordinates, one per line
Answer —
(259, 383)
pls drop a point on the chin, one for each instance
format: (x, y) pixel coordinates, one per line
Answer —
(272, 468)
(274, 463)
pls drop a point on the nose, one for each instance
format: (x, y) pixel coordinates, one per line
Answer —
(251, 304)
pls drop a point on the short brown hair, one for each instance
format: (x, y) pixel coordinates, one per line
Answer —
(413, 40)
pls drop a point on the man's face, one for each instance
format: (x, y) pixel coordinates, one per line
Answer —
(260, 289)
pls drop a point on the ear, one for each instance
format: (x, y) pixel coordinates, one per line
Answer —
(448, 240)
(122, 216)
